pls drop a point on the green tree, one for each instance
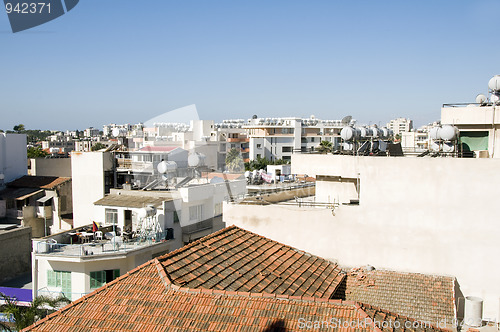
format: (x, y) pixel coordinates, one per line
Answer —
(19, 128)
(234, 161)
(25, 316)
(98, 146)
(325, 147)
(36, 152)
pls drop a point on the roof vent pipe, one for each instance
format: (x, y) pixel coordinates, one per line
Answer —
(473, 311)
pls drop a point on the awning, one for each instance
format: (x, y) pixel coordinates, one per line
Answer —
(47, 197)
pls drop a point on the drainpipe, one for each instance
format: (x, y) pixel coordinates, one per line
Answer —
(494, 132)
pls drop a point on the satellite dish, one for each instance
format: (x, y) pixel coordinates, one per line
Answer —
(494, 99)
(494, 83)
(481, 99)
(347, 119)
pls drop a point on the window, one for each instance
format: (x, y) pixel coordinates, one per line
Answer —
(259, 146)
(258, 155)
(218, 209)
(111, 216)
(287, 158)
(60, 279)
(176, 216)
(196, 212)
(286, 149)
(99, 278)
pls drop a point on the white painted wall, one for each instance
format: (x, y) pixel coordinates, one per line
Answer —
(428, 215)
(88, 183)
(13, 158)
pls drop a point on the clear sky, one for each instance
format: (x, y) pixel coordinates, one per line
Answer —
(126, 61)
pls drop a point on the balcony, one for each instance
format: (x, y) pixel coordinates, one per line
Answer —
(93, 249)
(238, 140)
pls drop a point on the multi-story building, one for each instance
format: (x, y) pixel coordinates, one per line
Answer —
(91, 132)
(279, 138)
(13, 158)
(400, 125)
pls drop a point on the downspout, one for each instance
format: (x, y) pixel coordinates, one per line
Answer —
(494, 131)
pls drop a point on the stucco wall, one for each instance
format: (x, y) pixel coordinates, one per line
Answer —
(88, 183)
(429, 215)
(15, 252)
(51, 167)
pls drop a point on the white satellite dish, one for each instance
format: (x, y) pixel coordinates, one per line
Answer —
(494, 99)
(481, 99)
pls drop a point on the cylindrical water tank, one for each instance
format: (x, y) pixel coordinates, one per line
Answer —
(166, 166)
(196, 159)
(434, 133)
(385, 132)
(349, 133)
(494, 83)
(376, 132)
(365, 132)
(247, 174)
(119, 132)
(473, 311)
(448, 133)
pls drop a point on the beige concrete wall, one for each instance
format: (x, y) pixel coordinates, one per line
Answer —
(51, 167)
(15, 253)
(429, 215)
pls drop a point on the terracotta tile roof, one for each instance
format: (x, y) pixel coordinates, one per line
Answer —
(423, 297)
(145, 300)
(238, 260)
(42, 182)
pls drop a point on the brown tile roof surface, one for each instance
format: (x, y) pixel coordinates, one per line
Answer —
(144, 299)
(42, 182)
(238, 260)
(423, 297)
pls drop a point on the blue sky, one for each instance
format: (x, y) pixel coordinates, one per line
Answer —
(127, 61)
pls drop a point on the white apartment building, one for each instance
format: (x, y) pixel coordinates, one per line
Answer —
(279, 138)
(91, 132)
(400, 125)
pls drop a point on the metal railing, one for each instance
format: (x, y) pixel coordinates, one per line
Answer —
(93, 248)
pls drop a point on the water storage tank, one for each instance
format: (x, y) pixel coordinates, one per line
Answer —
(473, 311)
(385, 132)
(365, 132)
(494, 83)
(434, 133)
(247, 174)
(376, 132)
(349, 133)
(448, 133)
(166, 166)
(119, 132)
(147, 211)
(196, 159)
